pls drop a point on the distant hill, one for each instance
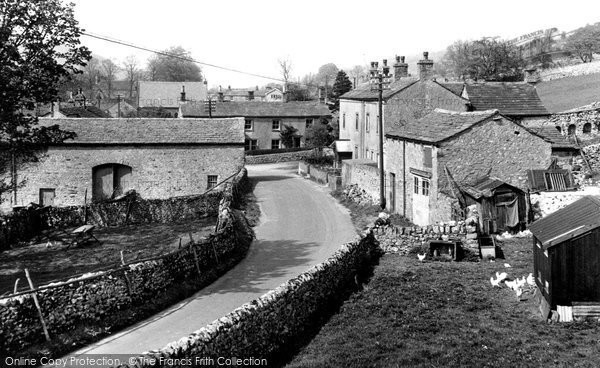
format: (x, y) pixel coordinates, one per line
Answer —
(570, 92)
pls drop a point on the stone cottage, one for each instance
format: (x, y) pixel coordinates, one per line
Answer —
(264, 121)
(158, 158)
(169, 95)
(428, 159)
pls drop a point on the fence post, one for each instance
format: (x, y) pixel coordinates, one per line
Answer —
(37, 305)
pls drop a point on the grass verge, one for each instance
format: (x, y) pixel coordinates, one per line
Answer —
(446, 314)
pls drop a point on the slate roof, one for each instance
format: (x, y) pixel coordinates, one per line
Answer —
(439, 125)
(456, 88)
(558, 140)
(257, 109)
(510, 98)
(83, 112)
(152, 131)
(577, 218)
(363, 91)
(167, 94)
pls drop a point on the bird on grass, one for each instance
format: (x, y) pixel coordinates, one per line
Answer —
(421, 256)
(519, 292)
(501, 276)
(521, 282)
(495, 283)
(511, 284)
(530, 280)
(507, 265)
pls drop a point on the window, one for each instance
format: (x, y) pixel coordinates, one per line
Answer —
(367, 122)
(427, 160)
(297, 142)
(275, 143)
(110, 181)
(344, 120)
(416, 179)
(559, 129)
(250, 144)
(377, 125)
(212, 181)
(425, 187)
(47, 196)
(309, 123)
(572, 129)
(587, 127)
(248, 124)
(356, 122)
(276, 125)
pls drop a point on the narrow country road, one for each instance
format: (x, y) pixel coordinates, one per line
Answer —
(300, 226)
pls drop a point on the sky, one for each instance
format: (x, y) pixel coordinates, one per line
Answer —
(252, 35)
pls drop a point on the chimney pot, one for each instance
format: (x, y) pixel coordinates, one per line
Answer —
(400, 68)
(425, 67)
(402, 58)
(426, 55)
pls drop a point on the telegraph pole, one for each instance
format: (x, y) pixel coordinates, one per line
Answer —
(380, 80)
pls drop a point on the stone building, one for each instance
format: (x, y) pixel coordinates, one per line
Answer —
(582, 122)
(264, 121)
(428, 159)
(410, 98)
(158, 158)
(169, 95)
(270, 94)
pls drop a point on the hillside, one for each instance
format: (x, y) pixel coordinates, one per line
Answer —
(570, 92)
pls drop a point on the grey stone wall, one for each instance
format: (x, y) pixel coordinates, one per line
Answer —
(277, 157)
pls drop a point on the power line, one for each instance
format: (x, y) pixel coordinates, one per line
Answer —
(128, 44)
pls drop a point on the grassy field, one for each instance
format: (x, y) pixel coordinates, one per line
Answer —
(446, 314)
(571, 92)
(57, 262)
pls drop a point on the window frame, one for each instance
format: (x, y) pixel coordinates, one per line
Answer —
(278, 143)
(251, 125)
(278, 122)
(416, 185)
(367, 122)
(309, 122)
(425, 187)
(356, 123)
(209, 181)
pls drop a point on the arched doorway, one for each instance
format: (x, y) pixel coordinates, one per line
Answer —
(110, 181)
(572, 129)
(587, 127)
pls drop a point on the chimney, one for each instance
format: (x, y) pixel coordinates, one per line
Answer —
(425, 67)
(250, 95)
(220, 89)
(532, 76)
(400, 68)
(182, 93)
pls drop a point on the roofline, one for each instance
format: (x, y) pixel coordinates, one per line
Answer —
(89, 144)
(252, 116)
(369, 99)
(449, 90)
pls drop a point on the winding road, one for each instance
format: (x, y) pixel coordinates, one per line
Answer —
(300, 226)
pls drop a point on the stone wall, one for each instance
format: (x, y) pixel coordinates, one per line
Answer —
(394, 239)
(278, 157)
(278, 322)
(589, 114)
(93, 298)
(158, 172)
(363, 173)
(545, 203)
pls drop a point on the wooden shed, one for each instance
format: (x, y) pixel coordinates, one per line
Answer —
(501, 206)
(566, 250)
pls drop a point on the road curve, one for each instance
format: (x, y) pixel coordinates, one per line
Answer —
(300, 226)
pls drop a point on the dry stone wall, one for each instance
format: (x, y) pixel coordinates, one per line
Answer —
(276, 323)
(92, 298)
(278, 157)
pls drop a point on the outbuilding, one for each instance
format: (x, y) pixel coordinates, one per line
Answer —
(566, 249)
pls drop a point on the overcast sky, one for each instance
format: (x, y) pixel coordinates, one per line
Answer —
(251, 35)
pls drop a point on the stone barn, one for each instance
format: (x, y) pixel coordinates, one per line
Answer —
(566, 250)
(158, 158)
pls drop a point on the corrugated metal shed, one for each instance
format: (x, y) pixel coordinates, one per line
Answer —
(577, 218)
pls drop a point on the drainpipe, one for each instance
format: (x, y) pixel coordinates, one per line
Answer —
(404, 178)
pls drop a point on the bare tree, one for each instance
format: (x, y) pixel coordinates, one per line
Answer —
(109, 74)
(91, 74)
(286, 70)
(132, 70)
(151, 72)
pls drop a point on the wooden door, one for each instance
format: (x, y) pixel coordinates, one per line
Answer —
(102, 182)
(420, 201)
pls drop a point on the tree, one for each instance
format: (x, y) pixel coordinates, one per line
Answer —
(174, 64)
(486, 59)
(326, 74)
(341, 85)
(584, 42)
(39, 48)
(109, 74)
(286, 71)
(287, 135)
(132, 71)
(358, 73)
(317, 136)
